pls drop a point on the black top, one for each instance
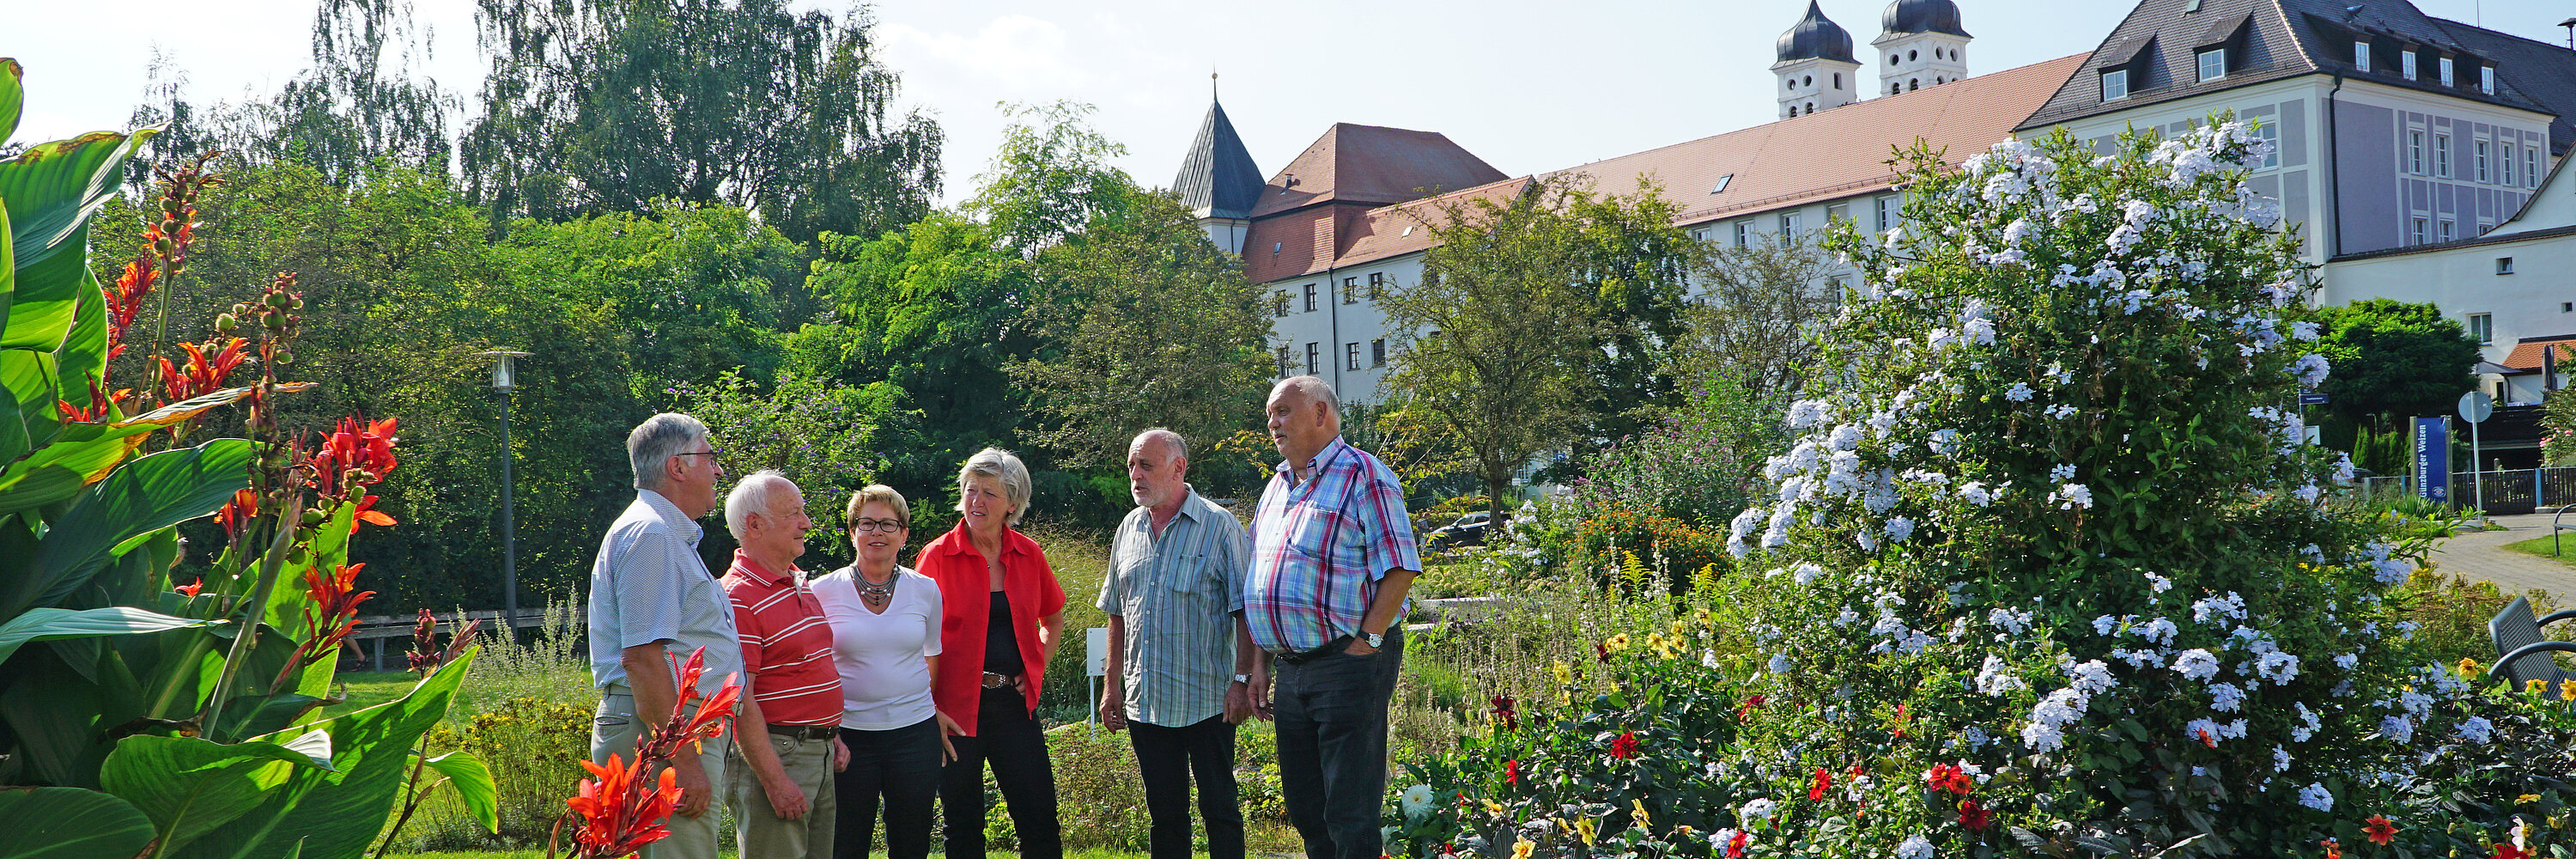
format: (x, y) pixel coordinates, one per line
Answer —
(1001, 642)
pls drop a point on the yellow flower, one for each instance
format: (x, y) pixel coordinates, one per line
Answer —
(2468, 667)
(1640, 814)
(1583, 828)
(1492, 807)
(1616, 643)
(1521, 849)
(1684, 830)
(2527, 799)
(2567, 690)
(1564, 675)
(1677, 627)
(2536, 687)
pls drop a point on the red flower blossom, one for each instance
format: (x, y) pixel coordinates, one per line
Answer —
(1625, 746)
(1750, 704)
(191, 588)
(1735, 846)
(2206, 739)
(1505, 713)
(1602, 650)
(237, 513)
(1974, 816)
(357, 455)
(1816, 792)
(426, 656)
(2508, 851)
(1512, 771)
(1951, 778)
(619, 813)
(2379, 829)
(1899, 730)
(332, 616)
(210, 366)
(2333, 850)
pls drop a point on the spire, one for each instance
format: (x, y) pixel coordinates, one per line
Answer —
(1217, 175)
(1816, 37)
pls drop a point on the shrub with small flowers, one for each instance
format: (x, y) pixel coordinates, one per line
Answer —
(2047, 568)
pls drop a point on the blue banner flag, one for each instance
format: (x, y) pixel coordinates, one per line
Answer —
(2433, 459)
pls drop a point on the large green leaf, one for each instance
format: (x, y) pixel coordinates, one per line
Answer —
(13, 431)
(473, 783)
(337, 814)
(12, 98)
(85, 453)
(28, 377)
(70, 823)
(48, 624)
(50, 191)
(190, 786)
(82, 360)
(148, 494)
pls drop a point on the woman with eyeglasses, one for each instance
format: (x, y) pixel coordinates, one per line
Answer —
(885, 638)
(1004, 614)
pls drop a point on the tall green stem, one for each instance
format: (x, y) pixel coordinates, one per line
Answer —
(244, 637)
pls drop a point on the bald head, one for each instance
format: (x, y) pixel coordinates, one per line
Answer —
(1304, 416)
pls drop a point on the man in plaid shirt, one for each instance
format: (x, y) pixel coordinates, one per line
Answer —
(1332, 557)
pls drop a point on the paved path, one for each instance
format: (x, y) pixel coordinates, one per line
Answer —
(2482, 555)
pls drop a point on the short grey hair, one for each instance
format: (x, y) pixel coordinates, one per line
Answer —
(1180, 447)
(755, 493)
(656, 440)
(1000, 465)
(1312, 388)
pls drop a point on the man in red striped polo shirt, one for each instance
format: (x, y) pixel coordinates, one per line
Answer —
(781, 790)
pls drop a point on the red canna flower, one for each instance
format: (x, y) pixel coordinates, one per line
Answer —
(191, 588)
(2379, 829)
(1505, 713)
(210, 366)
(620, 813)
(426, 656)
(1735, 846)
(332, 616)
(1750, 704)
(1512, 771)
(1899, 730)
(1974, 816)
(238, 513)
(1816, 793)
(358, 454)
(1625, 746)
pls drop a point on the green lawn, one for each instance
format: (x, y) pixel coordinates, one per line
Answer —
(2540, 546)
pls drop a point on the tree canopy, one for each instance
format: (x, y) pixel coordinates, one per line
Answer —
(2393, 359)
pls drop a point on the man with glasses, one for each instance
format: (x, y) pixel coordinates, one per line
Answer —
(652, 601)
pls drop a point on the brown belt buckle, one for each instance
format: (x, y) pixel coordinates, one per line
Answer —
(999, 681)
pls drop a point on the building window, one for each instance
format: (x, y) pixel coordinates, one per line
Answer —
(1310, 298)
(1350, 290)
(2361, 56)
(2420, 226)
(1377, 285)
(1886, 212)
(2507, 164)
(1838, 82)
(1838, 212)
(1699, 235)
(2415, 151)
(2447, 78)
(2213, 64)
(2504, 265)
(2442, 155)
(2406, 64)
(1279, 306)
(1351, 356)
(1281, 355)
(1377, 352)
(2450, 229)
(2486, 79)
(2531, 166)
(1314, 354)
(2481, 156)
(2115, 84)
(1744, 234)
(2482, 327)
(2271, 154)
(1723, 181)
(1789, 224)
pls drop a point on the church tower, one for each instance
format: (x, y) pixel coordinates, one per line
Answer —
(1218, 180)
(1816, 68)
(1923, 43)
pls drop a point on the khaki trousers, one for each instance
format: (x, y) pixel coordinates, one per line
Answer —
(613, 730)
(758, 831)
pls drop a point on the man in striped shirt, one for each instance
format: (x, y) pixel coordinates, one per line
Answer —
(781, 790)
(1332, 557)
(1179, 662)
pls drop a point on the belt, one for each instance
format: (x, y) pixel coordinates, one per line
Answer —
(1300, 657)
(804, 732)
(998, 681)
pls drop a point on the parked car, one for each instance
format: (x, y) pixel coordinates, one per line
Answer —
(1469, 530)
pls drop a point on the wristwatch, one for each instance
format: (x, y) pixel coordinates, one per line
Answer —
(1376, 640)
(1243, 678)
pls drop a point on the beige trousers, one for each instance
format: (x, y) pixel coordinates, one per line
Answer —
(757, 829)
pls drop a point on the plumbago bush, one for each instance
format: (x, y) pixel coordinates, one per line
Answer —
(2046, 570)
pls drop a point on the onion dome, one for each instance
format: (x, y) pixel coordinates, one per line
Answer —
(1816, 37)
(1922, 16)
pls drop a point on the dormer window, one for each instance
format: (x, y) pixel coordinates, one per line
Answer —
(2406, 64)
(2115, 84)
(2447, 77)
(2361, 56)
(2213, 64)
(2486, 79)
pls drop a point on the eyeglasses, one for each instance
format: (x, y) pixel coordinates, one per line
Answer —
(696, 453)
(870, 526)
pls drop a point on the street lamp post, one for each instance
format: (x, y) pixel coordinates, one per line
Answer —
(504, 380)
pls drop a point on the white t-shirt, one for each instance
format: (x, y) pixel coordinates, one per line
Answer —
(885, 684)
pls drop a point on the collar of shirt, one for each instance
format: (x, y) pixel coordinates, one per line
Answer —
(965, 543)
(688, 529)
(753, 570)
(1332, 450)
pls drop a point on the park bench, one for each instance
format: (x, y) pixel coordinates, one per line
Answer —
(2522, 655)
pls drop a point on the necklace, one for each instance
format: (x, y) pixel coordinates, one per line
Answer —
(872, 591)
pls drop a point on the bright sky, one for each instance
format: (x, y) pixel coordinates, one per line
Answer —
(1528, 86)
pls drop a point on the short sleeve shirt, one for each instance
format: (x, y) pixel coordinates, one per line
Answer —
(786, 644)
(882, 656)
(649, 585)
(1320, 547)
(1176, 595)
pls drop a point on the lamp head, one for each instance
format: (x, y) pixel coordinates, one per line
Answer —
(504, 373)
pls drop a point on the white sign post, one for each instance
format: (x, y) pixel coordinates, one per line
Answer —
(1095, 663)
(2475, 407)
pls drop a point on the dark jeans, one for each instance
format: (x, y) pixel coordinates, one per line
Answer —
(901, 766)
(1331, 713)
(1169, 758)
(1007, 736)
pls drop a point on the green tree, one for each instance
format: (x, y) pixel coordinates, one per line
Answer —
(600, 106)
(1052, 177)
(1636, 264)
(1755, 318)
(358, 103)
(2391, 360)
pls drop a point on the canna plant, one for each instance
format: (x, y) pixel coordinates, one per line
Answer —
(140, 716)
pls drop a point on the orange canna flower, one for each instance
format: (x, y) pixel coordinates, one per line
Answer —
(2333, 850)
(620, 813)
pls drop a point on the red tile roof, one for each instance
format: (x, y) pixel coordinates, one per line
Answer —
(2525, 356)
(1826, 155)
(1374, 165)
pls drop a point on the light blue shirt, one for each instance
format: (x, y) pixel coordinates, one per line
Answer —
(649, 585)
(1176, 594)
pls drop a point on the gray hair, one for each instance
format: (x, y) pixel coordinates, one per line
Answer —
(1180, 447)
(656, 440)
(1314, 389)
(1000, 465)
(757, 492)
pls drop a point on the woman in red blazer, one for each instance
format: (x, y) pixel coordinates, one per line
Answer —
(1002, 614)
